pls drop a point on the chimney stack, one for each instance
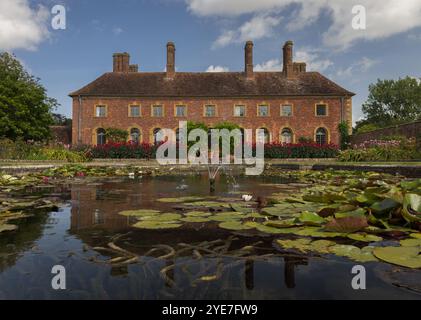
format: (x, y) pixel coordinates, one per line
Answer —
(288, 69)
(121, 62)
(134, 68)
(170, 60)
(248, 50)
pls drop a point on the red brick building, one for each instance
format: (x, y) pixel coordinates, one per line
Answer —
(289, 104)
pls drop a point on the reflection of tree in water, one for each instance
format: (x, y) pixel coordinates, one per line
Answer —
(14, 244)
(191, 264)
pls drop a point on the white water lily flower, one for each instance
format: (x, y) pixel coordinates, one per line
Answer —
(247, 197)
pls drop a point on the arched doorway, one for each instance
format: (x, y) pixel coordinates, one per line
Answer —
(286, 135)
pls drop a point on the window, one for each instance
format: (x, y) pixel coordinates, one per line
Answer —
(286, 135)
(263, 110)
(100, 136)
(286, 110)
(157, 111)
(240, 111)
(100, 111)
(321, 136)
(158, 136)
(134, 111)
(210, 110)
(266, 135)
(180, 111)
(321, 110)
(135, 135)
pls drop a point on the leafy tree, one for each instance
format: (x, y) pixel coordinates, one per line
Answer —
(61, 120)
(393, 102)
(25, 108)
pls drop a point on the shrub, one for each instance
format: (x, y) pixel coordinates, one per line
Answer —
(20, 150)
(300, 150)
(116, 135)
(124, 150)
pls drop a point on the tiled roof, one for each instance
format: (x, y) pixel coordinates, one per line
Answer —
(206, 84)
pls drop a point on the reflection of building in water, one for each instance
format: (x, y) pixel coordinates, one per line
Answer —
(290, 264)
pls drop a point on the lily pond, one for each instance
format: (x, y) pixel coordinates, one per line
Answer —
(132, 233)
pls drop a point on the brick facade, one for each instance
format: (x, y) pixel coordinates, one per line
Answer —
(303, 122)
(126, 85)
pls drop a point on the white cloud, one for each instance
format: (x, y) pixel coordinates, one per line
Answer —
(22, 27)
(313, 60)
(363, 65)
(308, 55)
(270, 65)
(260, 26)
(384, 18)
(117, 31)
(213, 68)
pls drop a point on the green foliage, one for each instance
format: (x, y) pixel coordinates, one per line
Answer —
(368, 127)
(345, 138)
(393, 102)
(25, 108)
(20, 150)
(116, 135)
(305, 140)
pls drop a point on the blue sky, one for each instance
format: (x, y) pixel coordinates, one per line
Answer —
(210, 35)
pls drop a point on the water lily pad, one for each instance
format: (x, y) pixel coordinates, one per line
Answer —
(197, 214)
(301, 244)
(162, 217)
(412, 207)
(353, 253)
(410, 242)
(7, 227)
(402, 256)
(360, 212)
(347, 224)
(311, 218)
(181, 199)
(318, 233)
(156, 225)
(234, 225)
(195, 219)
(364, 237)
(208, 204)
(139, 213)
(241, 208)
(384, 206)
(287, 223)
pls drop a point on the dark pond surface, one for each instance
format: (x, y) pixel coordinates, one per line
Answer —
(90, 219)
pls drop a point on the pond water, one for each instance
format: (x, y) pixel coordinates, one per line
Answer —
(209, 267)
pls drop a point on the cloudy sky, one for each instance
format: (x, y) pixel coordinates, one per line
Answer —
(210, 35)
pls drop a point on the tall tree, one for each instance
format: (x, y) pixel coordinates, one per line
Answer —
(25, 108)
(393, 102)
